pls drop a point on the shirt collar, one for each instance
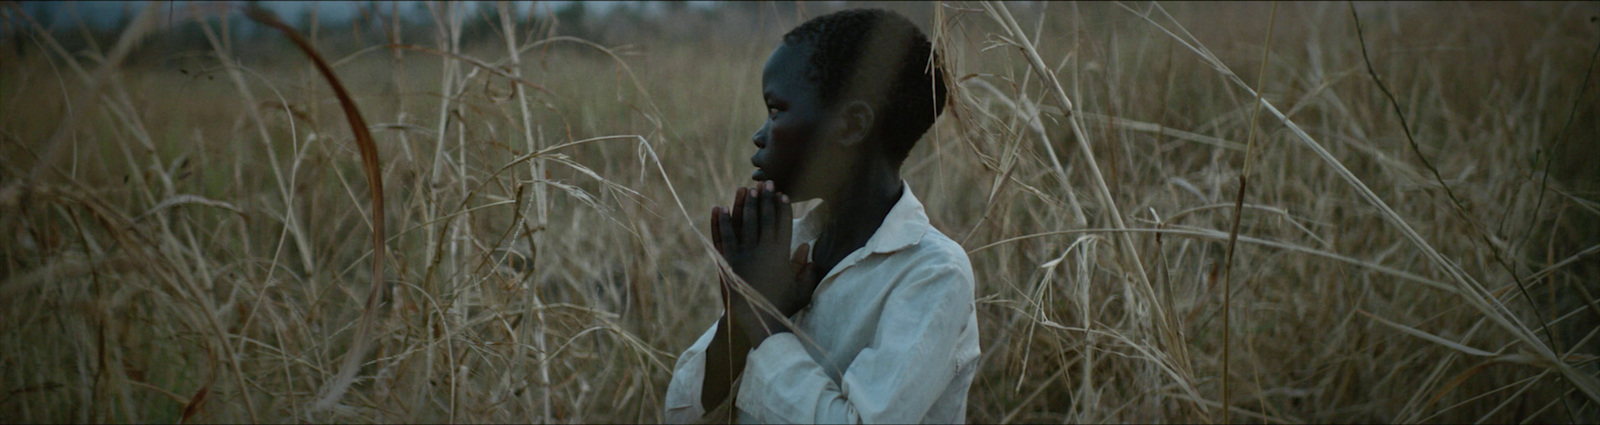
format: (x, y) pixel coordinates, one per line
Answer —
(904, 226)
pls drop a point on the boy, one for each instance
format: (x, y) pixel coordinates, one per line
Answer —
(886, 298)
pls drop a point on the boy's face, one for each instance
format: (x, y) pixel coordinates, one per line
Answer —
(788, 140)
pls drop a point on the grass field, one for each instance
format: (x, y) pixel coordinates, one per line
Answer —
(187, 234)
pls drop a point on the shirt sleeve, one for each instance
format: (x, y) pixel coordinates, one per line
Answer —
(683, 393)
(895, 379)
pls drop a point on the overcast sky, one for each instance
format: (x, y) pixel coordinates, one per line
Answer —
(106, 13)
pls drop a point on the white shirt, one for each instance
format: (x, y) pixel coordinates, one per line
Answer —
(896, 333)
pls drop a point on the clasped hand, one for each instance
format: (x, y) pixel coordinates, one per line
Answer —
(754, 238)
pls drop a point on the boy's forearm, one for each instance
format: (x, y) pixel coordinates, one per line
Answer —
(739, 330)
(753, 325)
(725, 360)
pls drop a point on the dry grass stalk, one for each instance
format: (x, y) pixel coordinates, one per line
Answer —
(534, 167)
(1238, 212)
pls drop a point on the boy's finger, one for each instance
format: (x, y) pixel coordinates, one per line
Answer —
(725, 223)
(805, 274)
(738, 209)
(769, 214)
(785, 220)
(716, 228)
(807, 280)
(750, 232)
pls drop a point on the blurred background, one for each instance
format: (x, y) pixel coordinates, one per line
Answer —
(187, 228)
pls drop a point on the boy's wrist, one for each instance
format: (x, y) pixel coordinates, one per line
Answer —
(758, 333)
(736, 335)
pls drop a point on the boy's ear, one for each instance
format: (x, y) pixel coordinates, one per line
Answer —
(854, 123)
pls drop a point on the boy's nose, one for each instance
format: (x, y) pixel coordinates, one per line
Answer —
(761, 142)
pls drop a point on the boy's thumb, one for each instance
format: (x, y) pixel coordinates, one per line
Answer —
(802, 255)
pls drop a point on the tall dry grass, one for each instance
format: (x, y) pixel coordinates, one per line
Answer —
(188, 238)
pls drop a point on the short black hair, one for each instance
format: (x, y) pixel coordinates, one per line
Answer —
(880, 57)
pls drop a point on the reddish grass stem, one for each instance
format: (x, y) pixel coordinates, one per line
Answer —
(369, 163)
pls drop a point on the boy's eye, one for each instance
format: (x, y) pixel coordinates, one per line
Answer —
(772, 111)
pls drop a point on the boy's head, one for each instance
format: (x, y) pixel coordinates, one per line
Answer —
(840, 87)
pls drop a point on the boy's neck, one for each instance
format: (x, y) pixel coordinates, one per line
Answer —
(854, 213)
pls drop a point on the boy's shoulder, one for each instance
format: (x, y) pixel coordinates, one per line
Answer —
(930, 259)
(911, 236)
(935, 250)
